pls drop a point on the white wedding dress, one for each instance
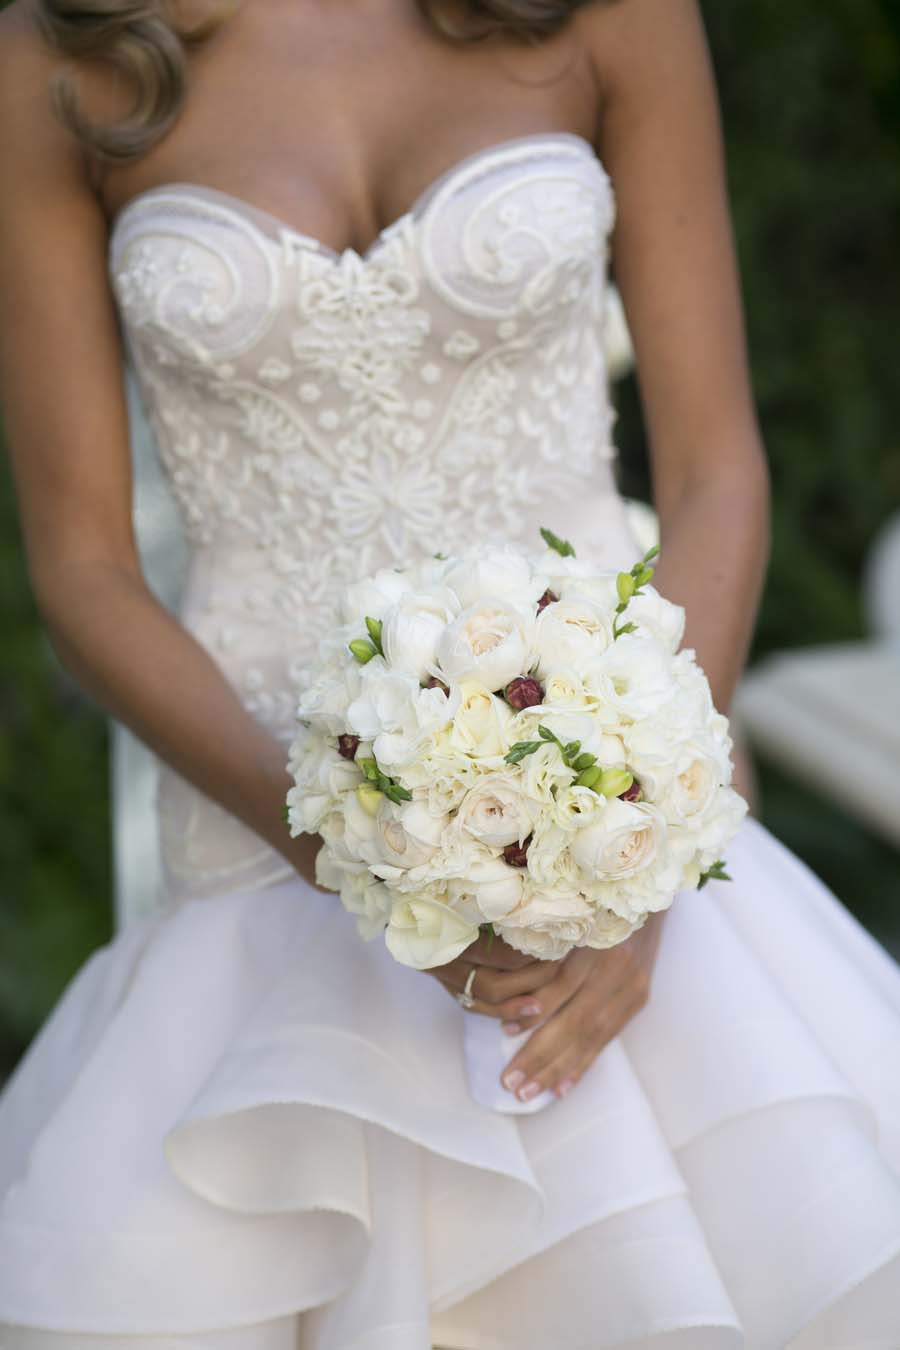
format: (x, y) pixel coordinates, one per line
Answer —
(241, 1126)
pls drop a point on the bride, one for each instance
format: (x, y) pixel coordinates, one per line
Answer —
(356, 254)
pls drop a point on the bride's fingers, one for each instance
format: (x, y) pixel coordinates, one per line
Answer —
(500, 994)
(494, 952)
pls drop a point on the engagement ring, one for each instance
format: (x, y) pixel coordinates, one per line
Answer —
(464, 997)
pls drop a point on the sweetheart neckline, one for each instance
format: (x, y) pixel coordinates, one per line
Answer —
(185, 186)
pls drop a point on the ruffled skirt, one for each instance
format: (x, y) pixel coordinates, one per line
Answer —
(242, 1127)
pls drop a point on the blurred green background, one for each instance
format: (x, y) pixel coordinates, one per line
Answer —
(811, 103)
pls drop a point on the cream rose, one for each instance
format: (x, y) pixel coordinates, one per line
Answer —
(481, 724)
(625, 838)
(408, 834)
(490, 888)
(495, 812)
(571, 633)
(489, 642)
(548, 924)
(423, 932)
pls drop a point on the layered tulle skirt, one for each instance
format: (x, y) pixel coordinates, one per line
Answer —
(242, 1127)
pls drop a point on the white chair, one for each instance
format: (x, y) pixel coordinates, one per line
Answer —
(830, 715)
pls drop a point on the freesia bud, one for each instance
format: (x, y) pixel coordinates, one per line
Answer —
(632, 794)
(615, 782)
(362, 650)
(369, 798)
(625, 586)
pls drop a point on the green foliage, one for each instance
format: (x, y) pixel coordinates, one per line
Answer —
(811, 106)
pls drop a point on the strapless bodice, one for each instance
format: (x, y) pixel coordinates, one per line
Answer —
(323, 414)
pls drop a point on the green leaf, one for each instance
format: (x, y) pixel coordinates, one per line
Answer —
(715, 873)
(286, 814)
(626, 628)
(396, 792)
(547, 735)
(520, 750)
(562, 546)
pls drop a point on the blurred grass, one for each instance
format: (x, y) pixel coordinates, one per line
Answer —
(811, 105)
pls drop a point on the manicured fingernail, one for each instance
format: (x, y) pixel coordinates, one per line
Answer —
(530, 1010)
(565, 1086)
(511, 1028)
(513, 1079)
(528, 1091)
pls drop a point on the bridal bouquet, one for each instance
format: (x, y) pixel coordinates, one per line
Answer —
(510, 740)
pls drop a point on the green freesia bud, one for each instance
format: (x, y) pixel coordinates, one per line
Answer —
(645, 575)
(584, 761)
(590, 778)
(369, 797)
(362, 650)
(374, 628)
(625, 587)
(615, 782)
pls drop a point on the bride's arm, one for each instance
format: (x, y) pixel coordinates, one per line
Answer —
(674, 259)
(66, 427)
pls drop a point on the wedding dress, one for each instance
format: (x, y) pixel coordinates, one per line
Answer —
(241, 1126)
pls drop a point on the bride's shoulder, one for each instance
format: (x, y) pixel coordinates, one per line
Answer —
(630, 43)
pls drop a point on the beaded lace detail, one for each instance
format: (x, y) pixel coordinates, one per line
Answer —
(320, 415)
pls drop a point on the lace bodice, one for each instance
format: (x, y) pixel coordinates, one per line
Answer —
(320, 415)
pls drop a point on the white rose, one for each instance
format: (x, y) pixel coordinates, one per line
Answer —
(571, 633)
(411, 629)
(490, 890)
(548, 924)
(657, 616)
(408, 833)
(325, 701)
(609, 929)
(634, 677)
(423, 932)
(489, 642)
(373, 596)
(625, 839)
(499, 573)
(495, 812)
(481, 723)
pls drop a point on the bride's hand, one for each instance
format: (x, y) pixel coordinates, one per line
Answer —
(587, 1004)
(506, 983)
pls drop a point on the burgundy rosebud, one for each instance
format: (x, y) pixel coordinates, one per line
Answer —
(348, 746)
(523, 692)
(434, 683)
(633, 793)
(517, 854)
(548, 598)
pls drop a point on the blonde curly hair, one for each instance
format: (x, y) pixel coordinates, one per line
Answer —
(142, 41)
